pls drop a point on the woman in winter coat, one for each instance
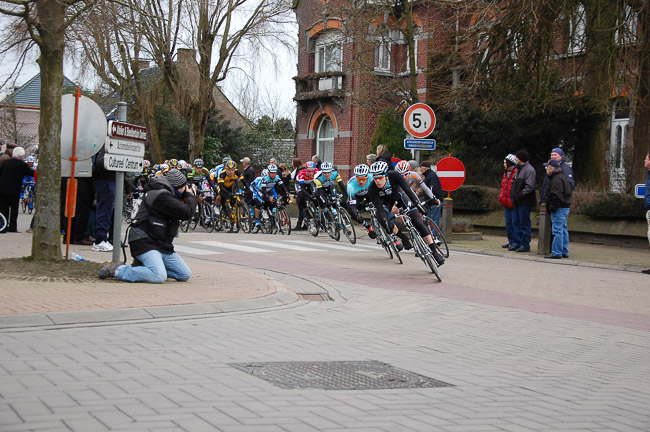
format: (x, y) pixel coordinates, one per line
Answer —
(510, 165)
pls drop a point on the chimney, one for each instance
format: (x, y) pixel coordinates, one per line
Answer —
(186, 56)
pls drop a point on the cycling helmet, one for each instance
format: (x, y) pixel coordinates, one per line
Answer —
(230, 164)
(173, 163)
(198, 163)
(226, 159)
(361, 170)
(310, 165)
(31, 159)
(156, 167)
(265, 172)
(326, 167)
(402, 167)
(146, 163)
(164, 167)
(272, 168)
(379, 168)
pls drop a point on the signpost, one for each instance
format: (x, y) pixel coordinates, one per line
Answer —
(451, 172)
(419, 144)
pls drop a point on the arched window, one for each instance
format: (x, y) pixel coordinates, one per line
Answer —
(325, 140)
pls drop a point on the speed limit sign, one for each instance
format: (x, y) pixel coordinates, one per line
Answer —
(419, 120)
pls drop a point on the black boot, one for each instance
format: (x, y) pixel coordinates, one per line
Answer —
(405, 240)
(299, 226)
(436, 254)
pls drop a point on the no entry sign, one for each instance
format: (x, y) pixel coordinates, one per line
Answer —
(451, 172)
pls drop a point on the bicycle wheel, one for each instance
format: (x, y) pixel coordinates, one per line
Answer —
(330, 226)
(390, 244)
(313, 225)
(425, 254)
(207, 217)
(3, 222)
(23, 204)
(128, 208)
(436, 232)
(185, 226)
(243, 217)
(283, 220)
(195, 219)
(347, 226)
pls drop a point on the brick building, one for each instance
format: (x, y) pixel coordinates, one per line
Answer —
(344, 58)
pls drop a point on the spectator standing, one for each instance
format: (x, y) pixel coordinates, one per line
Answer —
(12, 172)
(167, 200)
(647, 199)
(433, 182)
(297, 167)
(8, 153)
(557, 154)
(249, 176)
(316, 159)
(558, 202)
(104, 182)
(510, 165)
(285, 176)
(523, 198)
(384, 155)
(371, 159)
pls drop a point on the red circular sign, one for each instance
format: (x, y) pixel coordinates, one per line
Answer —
(419, 120)
(451, 172)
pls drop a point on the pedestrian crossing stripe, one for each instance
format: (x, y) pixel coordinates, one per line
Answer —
(285, 246)
(327, 245)
(233, 246)
(195, 251)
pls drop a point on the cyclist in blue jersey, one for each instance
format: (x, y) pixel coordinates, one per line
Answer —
(390, 189)
(267, 189)
(357, 189)
(325, 184)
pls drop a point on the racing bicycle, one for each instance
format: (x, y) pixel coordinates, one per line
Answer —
(383, 238)
(422, 250)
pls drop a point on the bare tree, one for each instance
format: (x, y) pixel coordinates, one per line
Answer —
(44, 23)
(215, 32)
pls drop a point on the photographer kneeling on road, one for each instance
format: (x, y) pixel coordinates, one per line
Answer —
(167, 200)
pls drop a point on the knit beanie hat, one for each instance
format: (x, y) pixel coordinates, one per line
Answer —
(558, 151)
(176, 178)
(522, 155)
(510, 160)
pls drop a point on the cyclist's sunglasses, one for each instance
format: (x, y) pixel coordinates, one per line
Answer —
(378, 177)
(362, 177)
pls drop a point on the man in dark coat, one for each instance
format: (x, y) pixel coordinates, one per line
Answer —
(167, 200)
(558, 202)
(249, 176)
(558, 155)
(12, 172)
(523, 197)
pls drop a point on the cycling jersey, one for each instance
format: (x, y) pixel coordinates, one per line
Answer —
(356, 194)
(417, 185)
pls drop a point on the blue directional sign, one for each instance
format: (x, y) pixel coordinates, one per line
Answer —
(419, 144)
(639, 190)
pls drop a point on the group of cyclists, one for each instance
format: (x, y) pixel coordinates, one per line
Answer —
(390, 190)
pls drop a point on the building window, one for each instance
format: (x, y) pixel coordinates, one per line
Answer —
(329, 52)
(383, 46)
(577, 26)
(416, 43)
(626, 29)
(325, 140)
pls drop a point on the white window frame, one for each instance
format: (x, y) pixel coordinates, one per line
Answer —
(416, 40)
(329, 52)
(629, 24)
(577, 30)
(325, 143)
(383, 47)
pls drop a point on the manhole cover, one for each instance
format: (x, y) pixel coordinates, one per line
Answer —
(338, 375)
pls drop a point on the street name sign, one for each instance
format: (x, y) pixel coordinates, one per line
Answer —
(419, 120)
(124, 147)
(451, 172)
(127, 131)
(419, 144)
(118, 162)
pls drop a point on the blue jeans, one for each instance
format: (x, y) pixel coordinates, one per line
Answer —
(105, 194)
(434, 213)
(523, 227)
(560, 245)
(156, 268)
(511, 230)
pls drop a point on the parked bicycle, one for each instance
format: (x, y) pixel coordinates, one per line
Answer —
(383, 237)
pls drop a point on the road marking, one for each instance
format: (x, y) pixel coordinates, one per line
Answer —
(233, 246)
(374, 246)
(195, 251)
(284, 246)
(328, 246)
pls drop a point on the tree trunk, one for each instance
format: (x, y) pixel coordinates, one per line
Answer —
(198, 121)
(46, 241)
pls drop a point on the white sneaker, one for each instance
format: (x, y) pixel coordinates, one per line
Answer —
(103, 247)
